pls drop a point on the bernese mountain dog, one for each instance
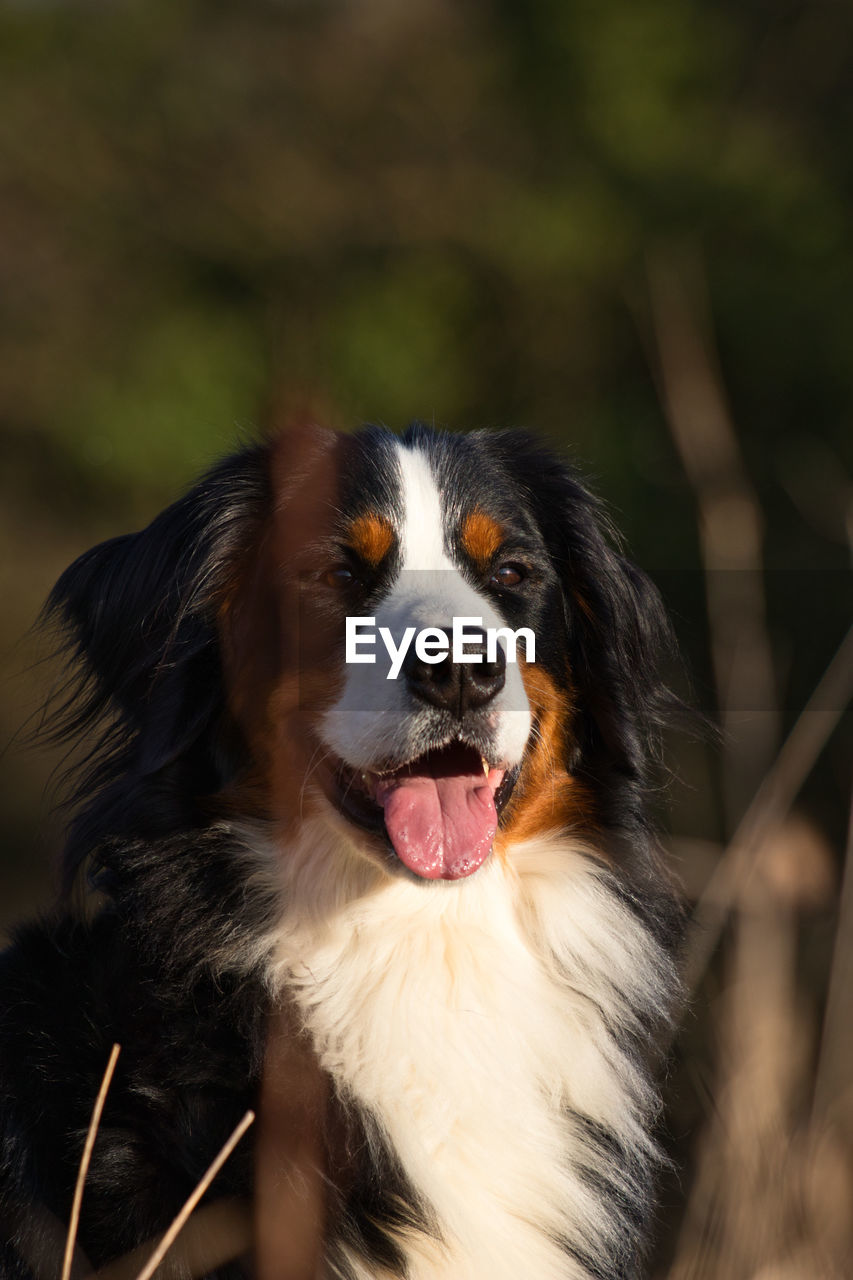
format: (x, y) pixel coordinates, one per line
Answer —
(410, 909)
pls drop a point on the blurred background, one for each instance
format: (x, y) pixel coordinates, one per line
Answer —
(625, 224)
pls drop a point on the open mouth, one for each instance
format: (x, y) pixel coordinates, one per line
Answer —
(439, 812)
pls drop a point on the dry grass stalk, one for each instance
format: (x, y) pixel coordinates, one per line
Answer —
(746, 1216)
(769, 807)
(731, 523)
(171, 1234)
(213, 1236)
(769, 1201)
(97, 1111)
(291, 1152)
(833, 1092)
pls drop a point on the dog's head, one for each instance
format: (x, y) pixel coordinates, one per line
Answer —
(281, 642)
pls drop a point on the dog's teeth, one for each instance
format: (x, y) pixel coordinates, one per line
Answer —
(485, 765)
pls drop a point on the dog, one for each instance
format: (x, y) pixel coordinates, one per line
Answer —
(409, 906)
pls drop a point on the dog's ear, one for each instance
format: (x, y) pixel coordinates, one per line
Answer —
(136, 621)
(137, 609)
(618, 634)
(86, 605)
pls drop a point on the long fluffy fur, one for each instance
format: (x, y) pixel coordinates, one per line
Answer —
(489, 1043)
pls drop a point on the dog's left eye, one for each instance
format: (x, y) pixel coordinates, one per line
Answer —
(508, 575)
(339, 577)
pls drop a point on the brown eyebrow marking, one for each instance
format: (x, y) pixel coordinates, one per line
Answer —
(371, 537)
(481, 537)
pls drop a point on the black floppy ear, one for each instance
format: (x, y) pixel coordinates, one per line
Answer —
(136, 609)
(617, 627)
(137, 622)
(106, 606)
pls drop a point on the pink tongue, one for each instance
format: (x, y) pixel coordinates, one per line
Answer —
(441, 827)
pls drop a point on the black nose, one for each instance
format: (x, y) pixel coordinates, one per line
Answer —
(457, 686)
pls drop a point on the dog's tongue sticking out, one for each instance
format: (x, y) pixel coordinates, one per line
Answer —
(440, 813)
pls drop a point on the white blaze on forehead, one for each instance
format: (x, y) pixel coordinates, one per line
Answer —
(431, 589)
(422, 534)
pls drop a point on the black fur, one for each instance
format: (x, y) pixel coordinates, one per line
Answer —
(70, 989)
(158, 961)
(136, 618)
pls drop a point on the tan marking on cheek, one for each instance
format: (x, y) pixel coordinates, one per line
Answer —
(482, 537)
(546, 796)
(371, 537)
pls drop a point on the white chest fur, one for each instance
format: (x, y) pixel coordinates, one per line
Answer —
(471, 1019)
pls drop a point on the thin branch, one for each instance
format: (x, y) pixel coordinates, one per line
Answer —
(215, 1235)
(97, 1111)
(169, 1238)
(730, 518)
(771, 803)
(833, 1073)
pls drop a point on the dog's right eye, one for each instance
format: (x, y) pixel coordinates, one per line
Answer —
(339, 577)
(508, 575)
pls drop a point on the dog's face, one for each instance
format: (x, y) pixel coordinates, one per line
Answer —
(427, 762)
(217, 638)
